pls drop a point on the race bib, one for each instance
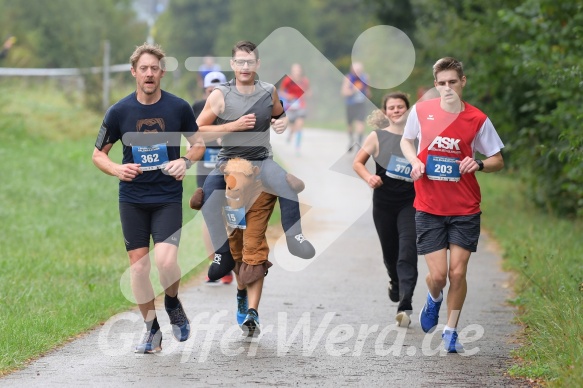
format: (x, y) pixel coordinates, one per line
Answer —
(399, 168)
(211, 156)
(235, 217)
(442, 168)
(150, 157)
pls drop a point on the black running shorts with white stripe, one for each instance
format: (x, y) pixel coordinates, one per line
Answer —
(437, 232)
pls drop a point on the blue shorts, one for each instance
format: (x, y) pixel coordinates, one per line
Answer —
(437, 232)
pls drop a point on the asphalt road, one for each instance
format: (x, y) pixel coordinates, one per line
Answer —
(326, 321)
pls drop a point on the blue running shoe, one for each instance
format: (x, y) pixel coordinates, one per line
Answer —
(151, 342)
(250, 325)
(242, 307)
(450, 342)
(180, 323)
(429, 315)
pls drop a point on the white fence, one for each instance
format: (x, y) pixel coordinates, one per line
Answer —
(106, 70)
(21, 72)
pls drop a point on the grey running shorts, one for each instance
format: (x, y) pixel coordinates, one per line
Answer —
(355, 112)
(437, 232)
(294, 114)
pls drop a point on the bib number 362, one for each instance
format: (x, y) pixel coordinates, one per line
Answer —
(150, 157)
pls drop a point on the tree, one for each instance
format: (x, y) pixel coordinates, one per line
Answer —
(62, 33)
(190, 28)
(340, 23)
(552, 143)
(397, 14)
(523, 62)
(255, 20)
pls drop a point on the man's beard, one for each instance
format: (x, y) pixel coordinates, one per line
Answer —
(150, 91)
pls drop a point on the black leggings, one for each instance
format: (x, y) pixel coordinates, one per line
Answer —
(395, 226)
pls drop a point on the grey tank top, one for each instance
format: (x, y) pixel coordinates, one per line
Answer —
(252, 144)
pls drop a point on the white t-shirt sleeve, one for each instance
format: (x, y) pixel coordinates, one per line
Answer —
(487, 142)
(412, 126)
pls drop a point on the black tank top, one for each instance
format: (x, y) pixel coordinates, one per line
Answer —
(393, 190)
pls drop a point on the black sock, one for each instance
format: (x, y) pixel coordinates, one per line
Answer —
(171, 302)
(252, 310)
(153, 325)
(242, 293)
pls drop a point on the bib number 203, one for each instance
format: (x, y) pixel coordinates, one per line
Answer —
(443, 169)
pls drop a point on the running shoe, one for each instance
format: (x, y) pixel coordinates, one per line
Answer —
(150, 343)
(403, 319)
(300, 247)
(251, 324)
(209, 282)
(242, 307)
(450, 342)
(180, 323)
(429, 315)
(227, 279)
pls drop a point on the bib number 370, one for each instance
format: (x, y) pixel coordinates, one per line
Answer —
(399, 168)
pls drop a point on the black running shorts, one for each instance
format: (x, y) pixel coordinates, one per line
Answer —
(139, 221)
(437, 232)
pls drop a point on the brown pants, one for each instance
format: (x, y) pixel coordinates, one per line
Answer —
(249, 246)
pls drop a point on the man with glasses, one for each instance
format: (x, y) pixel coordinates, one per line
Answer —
(241, 112)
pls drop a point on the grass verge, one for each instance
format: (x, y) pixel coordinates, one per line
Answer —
(545, 252)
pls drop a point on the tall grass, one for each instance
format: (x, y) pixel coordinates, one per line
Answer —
(546, 253)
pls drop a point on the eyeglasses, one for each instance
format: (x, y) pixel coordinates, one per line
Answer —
(242, 62)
